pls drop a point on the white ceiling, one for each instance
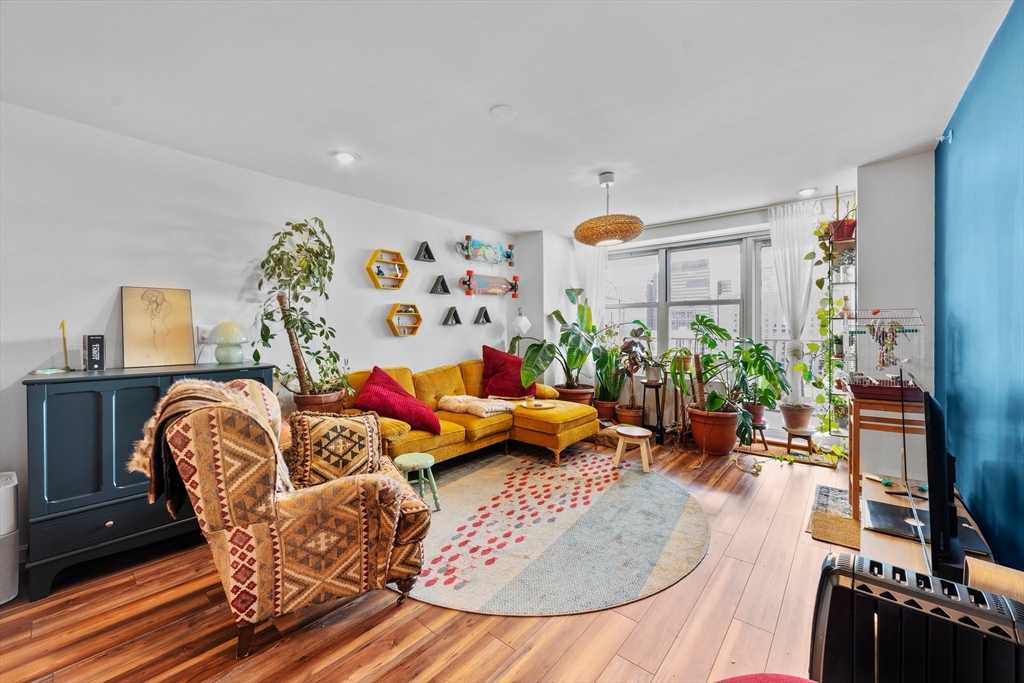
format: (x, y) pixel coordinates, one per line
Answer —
(699, 108)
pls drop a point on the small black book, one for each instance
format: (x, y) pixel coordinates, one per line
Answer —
(92, 352)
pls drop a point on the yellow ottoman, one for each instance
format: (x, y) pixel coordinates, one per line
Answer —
(553, 428)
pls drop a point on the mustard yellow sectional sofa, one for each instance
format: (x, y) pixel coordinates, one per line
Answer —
(461, 433)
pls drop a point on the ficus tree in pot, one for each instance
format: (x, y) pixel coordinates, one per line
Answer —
(298, 266)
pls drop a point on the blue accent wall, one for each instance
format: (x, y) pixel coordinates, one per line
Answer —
(979, 290)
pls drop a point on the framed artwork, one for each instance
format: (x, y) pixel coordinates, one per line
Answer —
(157, 327)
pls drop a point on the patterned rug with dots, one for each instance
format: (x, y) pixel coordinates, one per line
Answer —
(518, 537)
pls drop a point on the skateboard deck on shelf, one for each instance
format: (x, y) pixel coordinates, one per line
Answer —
(475, 250)
(493, 285)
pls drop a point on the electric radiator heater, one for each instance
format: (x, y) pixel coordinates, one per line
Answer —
(879, 623)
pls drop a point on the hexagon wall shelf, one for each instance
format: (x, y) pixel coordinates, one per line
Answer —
(386, 269)
(404, 320)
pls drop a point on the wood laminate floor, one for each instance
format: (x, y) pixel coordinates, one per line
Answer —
(747, 607)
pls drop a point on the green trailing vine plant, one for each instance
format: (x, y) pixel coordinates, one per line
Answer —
(829, 355)
(298, 265)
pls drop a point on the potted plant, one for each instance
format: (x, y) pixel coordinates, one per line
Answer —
(608, 370)
(575, 343)
(299, 264)
(717, 417)
(761, 378)
(636, 357)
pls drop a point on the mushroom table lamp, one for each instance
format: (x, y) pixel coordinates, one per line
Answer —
(229, 338)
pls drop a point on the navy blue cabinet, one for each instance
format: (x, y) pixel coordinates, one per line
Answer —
(82, 427)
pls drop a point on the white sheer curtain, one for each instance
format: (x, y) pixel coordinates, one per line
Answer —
(792, 230)
(592, 266)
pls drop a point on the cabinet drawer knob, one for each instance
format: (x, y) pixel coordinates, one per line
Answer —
(109, 524)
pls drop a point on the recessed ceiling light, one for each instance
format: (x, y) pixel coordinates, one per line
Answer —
(345, 157)
(807, 192)
(502, 111)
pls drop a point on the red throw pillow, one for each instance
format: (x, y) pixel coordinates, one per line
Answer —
(386, 397)
(502, 375)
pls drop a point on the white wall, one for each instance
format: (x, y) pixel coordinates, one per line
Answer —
(896, 243)
(84, 211)
(547, 265)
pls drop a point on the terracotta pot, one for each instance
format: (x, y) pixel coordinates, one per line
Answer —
(332, 402)
(583, 395)
(714, 433)
(756, 411)
(629, 415)
(842, 231)
(605, 409)
(796, 416)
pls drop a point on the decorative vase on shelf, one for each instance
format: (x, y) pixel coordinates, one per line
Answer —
(847, 310)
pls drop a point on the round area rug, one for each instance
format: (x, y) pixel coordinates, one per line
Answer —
(517, 537)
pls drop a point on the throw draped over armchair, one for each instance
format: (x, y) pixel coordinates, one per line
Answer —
(350, 524)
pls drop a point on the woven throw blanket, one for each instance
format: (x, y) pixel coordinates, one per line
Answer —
(152, 456)
(481, 407)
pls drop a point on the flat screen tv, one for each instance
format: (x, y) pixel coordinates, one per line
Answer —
(947, 551)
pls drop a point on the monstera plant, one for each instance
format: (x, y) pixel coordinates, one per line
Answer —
(725, 378)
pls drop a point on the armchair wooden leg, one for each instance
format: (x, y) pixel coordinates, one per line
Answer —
(244, 640)
(557, 457)
(405, 585)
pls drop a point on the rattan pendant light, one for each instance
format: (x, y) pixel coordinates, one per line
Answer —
(611, 228)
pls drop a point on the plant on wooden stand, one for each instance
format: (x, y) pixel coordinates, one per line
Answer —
(299, 264)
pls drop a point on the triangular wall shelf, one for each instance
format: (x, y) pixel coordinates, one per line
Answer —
(483, 317)
(453, 317)
(424, 253)
(440, 285)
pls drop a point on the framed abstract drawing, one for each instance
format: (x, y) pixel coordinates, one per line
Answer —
(157, 327)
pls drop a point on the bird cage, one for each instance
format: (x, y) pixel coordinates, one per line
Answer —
(889, 353)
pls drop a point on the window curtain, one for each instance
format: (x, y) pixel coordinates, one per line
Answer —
(792, 231)
(592, 265)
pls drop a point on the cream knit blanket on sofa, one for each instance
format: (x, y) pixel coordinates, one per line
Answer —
(481, 407)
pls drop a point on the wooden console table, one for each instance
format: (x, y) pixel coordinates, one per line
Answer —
(82, 427)
(860, 420)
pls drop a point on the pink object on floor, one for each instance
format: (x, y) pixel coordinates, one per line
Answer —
(766, 678)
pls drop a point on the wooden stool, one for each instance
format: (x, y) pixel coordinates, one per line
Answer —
(420, 463)
(804, 434)
(759, 428)
(640, 437)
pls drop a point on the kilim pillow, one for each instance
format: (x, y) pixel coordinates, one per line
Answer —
(385, 396)
(502, 375)
(328, 446)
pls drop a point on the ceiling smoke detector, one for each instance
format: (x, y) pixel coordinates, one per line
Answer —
(502, 111)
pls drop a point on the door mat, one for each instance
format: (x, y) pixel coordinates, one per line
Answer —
(832, 518)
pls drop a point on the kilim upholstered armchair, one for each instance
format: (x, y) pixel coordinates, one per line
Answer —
(349, 524)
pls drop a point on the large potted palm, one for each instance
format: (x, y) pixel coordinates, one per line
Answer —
(298, 265)
(576, 341)
(717, 416)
